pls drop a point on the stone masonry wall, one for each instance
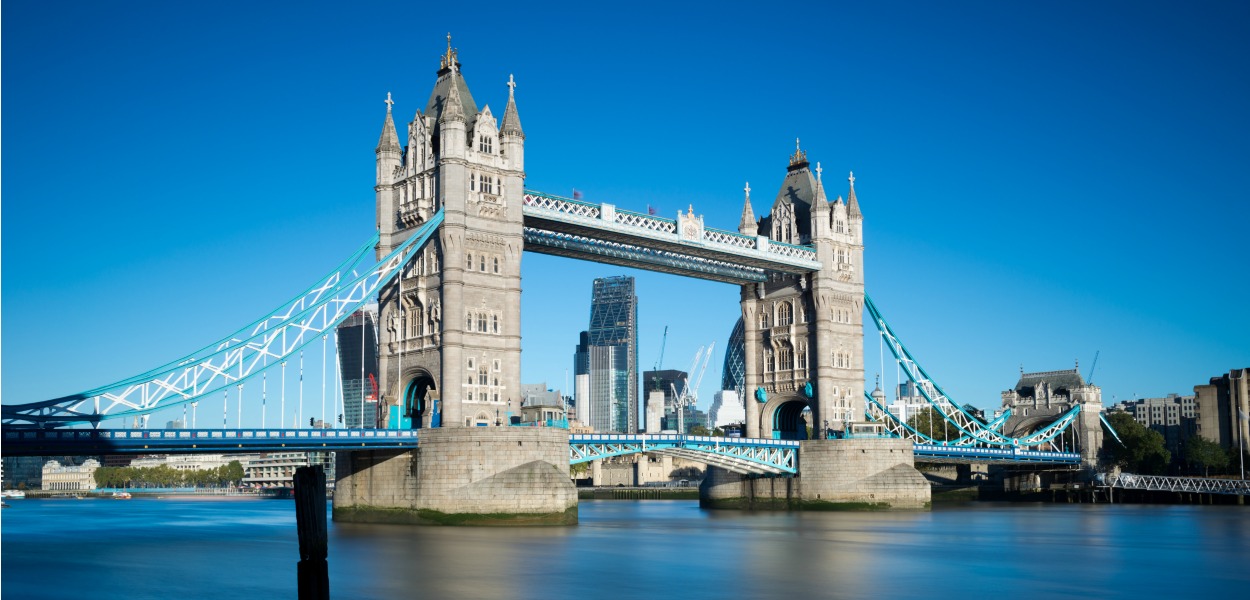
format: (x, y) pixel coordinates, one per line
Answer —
(489, 474)
(878, 473)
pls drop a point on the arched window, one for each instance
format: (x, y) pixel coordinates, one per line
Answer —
(482, 265)
(468, 262)
(481, 375)
(764, 319)
(785, 314)
(494, 323)
(496, 264)
(802, 356)
(472, 182)
(468, 322)
(481, 322)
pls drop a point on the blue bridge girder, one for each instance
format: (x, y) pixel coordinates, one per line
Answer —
(82, 442)
(740, 455)
(604, 233)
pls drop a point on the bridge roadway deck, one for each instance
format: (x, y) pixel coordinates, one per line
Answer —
(762, 456)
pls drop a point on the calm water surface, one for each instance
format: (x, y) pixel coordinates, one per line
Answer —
(199, 548)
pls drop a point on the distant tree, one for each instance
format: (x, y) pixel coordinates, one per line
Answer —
(931, 423)
(233, 473)
(1204, 454)
(718, 432)
(578, 470)
(699, 430)
(1143, 450)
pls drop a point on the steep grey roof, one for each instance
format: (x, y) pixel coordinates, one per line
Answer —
(1058, 380)
(442, 88)
(798, 189)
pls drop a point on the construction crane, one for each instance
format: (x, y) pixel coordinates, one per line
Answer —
(690, 394)
(1090, 378)
(655, 379)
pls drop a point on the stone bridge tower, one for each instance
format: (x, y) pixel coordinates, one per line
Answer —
(804, 335)
(450, 325)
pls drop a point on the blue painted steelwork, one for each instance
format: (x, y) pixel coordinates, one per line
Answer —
(965, 454)
(264, 344)
(740, 455)
(78, 442)
(972, 430)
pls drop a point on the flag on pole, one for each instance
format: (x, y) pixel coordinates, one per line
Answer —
(650, 209)
(577, 195)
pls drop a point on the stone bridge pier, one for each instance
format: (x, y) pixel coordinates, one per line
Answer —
(461, 476)
(863, 473)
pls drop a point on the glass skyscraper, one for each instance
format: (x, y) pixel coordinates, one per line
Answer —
(608, 355)
(357, 338)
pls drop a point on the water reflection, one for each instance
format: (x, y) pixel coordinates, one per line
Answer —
(624, 549)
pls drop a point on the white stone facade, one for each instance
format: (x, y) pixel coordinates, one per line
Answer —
(70, 478)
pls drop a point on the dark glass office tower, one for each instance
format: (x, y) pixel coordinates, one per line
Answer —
(613, 356)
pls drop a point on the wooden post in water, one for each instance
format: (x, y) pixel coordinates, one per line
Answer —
(310, 522)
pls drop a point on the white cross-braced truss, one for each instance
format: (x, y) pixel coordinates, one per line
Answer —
(1162, 483)
(740, 455)
(265, 343)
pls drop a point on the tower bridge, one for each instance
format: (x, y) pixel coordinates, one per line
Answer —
(453, 222)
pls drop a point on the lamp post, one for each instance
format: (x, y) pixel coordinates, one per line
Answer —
(497, 421)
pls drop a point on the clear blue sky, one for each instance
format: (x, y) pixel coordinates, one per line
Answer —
(1039, 183)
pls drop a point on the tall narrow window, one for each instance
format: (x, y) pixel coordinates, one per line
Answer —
(472, 182)
(468, 262)
(764, 319)
(496, 264)
(770, 364)
(494, 323)
(784, 314)
(481, 322)
(468, 322)
(481, 376)
(482, 266)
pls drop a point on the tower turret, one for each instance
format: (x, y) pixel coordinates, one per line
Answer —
(513, 141)
(820, 209)
(747, 225)
(451, 123)
(388, 151)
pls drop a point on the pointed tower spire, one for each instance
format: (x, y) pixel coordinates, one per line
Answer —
(389, 140)
(821, 202)
(748, 226)
(851, 202)
(453, 108)
(511, 120)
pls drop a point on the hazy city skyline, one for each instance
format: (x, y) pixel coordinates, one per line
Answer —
(1036, 187)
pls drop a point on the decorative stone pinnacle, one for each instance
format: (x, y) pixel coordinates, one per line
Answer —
(850, 178)
(796, 144)
(818, 171)
(511, 85)
(747, 189)
(389, 102)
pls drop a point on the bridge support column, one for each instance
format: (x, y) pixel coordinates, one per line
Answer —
(462, 476)
(870, 473)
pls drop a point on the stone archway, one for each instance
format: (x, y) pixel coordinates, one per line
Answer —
(786, 418)
(419, 403)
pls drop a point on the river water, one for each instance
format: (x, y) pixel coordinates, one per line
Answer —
(214, 548)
